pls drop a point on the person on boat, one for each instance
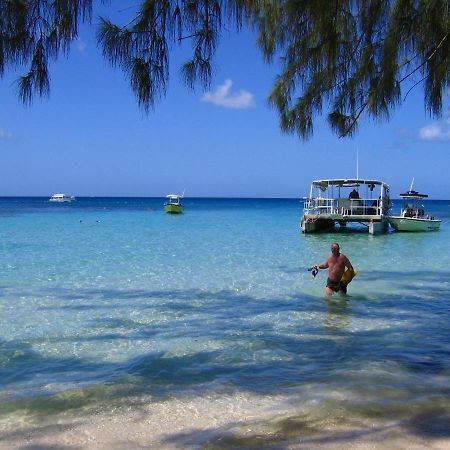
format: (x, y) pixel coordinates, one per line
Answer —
(336, 263)
(354, 194)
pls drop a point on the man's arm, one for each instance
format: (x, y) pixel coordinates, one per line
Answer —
(324, 265)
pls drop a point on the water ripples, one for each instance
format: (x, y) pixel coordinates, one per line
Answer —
(219, 302)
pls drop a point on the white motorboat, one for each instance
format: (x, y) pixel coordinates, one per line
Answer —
(343, 201)
(412, 215)
(60, 198)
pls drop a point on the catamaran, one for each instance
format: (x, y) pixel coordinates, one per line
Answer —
(343, 201)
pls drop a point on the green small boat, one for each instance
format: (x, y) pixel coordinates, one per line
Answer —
(173, 204)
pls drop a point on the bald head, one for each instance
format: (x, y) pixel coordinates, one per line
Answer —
(335, 248)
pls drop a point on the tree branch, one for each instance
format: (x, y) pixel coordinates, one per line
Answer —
(428, 59)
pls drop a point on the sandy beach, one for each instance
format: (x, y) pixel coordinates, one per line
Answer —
(243, 422)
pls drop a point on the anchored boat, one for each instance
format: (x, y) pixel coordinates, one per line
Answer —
(343, 201)
(61, 198)
(412, 215)
(173, 204)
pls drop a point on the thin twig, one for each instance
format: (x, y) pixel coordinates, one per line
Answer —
(429, 57)
(354, 120)
(188, 37)
(410, 89)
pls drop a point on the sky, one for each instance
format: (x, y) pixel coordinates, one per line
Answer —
(91, 138)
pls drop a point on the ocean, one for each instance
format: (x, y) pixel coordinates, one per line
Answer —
(125, 327)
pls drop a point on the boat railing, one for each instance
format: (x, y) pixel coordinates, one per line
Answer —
(320, 205)
(343, 206)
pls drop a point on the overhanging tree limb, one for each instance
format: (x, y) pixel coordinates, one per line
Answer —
(351, 57)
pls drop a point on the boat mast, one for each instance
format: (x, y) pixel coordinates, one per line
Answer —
(357, 163)
(412, 182)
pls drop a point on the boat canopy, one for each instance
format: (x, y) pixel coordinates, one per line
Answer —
(173, 196)
(413, 194)
(324, 184)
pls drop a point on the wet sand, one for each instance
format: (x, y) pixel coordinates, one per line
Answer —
(217, 423)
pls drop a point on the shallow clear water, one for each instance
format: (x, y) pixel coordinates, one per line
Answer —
(113, 297)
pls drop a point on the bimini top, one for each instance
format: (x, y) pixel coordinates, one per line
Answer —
(346, 183)
(413, 194)
(174, 196)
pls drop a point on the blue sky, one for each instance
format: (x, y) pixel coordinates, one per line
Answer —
(90, 138)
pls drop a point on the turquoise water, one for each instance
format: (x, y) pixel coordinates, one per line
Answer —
(108, 299)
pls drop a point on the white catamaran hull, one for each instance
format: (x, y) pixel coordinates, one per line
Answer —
(414, 223)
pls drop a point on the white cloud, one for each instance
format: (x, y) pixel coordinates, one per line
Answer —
(5, 135)
(435, 132)
(80, 45)
(223, 97)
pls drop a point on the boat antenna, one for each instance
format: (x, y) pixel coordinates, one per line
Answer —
(182, 195)
(357, 163)
(412, 182)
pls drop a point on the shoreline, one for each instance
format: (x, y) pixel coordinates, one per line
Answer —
(217, 423)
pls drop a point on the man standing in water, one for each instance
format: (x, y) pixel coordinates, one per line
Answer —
(336, 264)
